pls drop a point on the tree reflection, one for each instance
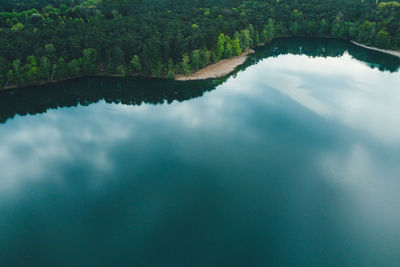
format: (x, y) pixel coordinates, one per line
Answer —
(135, 91)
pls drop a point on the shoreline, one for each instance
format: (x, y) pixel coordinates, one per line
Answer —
(43, 83)
(213, 71)
(218, 69)
(387, 51)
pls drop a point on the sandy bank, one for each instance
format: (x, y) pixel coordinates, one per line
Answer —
(391, 52)
(216, 70)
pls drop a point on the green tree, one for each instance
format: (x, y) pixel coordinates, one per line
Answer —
(2, 80)
(214, 57)
(17, 27)
(324, 27)
(236, 47)
(297, 24)
(45, 68)
(353, 30)
(185, 65)
(89, 61)
(252, 34)
(195, 59)
(366, 32)
(114, 58)
(31, 70)
(74, 68)
(121, 70)
(294, 28)
(62, 69)
(10, 77)
(206, 57)
(171, 69)
(156, 68)
(220, 46)
(335, 29)
(383, 39)
(269, 31)
(3, 68)
(50, 52)
(136, 64)
(245, 39)
(53, 71)
(17, 71)
(228, 50)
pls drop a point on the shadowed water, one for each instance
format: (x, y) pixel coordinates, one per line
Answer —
(293, 160)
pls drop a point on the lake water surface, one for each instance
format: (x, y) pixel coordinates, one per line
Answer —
(293, 161)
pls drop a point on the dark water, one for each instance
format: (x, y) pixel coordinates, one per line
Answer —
(292, 161)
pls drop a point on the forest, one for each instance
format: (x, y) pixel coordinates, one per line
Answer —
(50, 40)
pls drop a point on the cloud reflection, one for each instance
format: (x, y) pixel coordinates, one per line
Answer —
(291, 145)
(340, 88)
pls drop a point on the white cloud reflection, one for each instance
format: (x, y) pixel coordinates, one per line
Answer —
(340, 88)
(33, 147)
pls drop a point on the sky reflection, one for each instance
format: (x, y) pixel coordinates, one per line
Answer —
(341, 88)
(294, 156)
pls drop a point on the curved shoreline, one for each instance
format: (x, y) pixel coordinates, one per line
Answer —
(215, 70)
(227, 66)
(390, 52)
(218, 69)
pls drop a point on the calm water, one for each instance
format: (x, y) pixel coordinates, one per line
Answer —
(294, 160)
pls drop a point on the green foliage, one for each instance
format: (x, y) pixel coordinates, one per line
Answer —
(236, 47)
(268, 31)
(114, 59)
(245, 39)
(50, 51)
(42, 40)
(220, 46)
(366, 32)
(45, 68)
(186, 70)
(11, 77)
(228, 50)
(121, 70)
(136, 64)
(353, 30)
(156, 68)
(31, 70)
(2, 80)
(206, 57)
(16, 65)
(390, 5)
(195, 60)
(383, 39)
(62, 69)
(89, 61)
(74, 68)
(17, 27)
(171, 69)
(324, 27)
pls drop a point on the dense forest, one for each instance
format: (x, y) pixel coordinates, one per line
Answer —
(48, 40)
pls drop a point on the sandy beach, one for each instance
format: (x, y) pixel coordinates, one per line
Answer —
(216, 70)
(392, 52)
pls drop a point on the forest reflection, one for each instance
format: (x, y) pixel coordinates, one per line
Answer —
(136, 91)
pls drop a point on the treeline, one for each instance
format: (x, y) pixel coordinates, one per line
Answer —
(45, 40)
(155, 91)
(47, 67)
(87, 91)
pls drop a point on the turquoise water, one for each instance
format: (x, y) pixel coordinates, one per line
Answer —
(293, 160)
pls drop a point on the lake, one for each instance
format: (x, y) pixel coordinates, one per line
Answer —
(294, 160)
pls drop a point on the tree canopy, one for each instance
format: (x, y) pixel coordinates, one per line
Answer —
(44, 40)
